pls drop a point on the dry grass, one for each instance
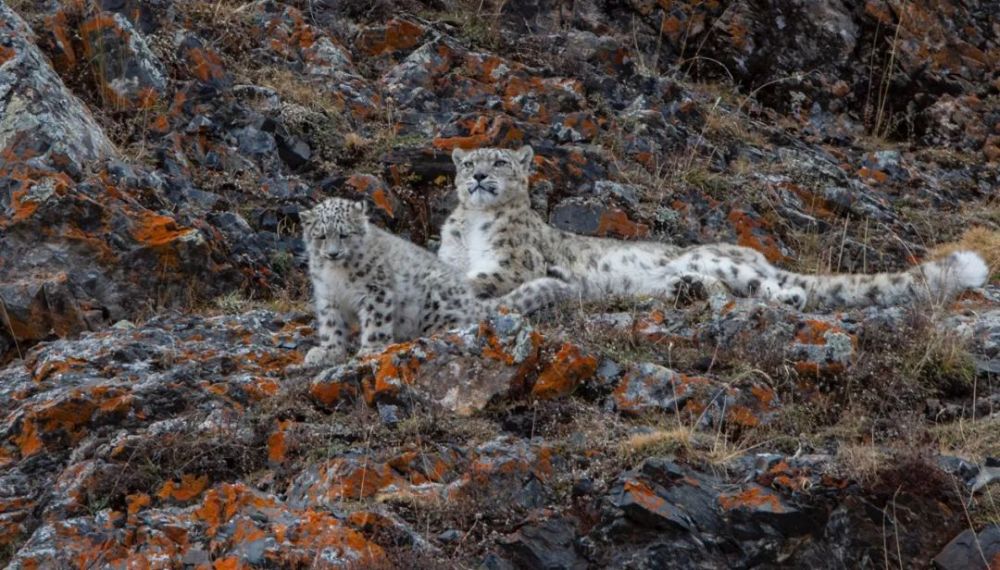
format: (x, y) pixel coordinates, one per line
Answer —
(974, 440)
(658, 442)
(860, 462)
(237, 303)
(294, 87)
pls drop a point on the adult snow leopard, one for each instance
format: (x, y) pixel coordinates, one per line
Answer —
(499, 242)
(393, 289)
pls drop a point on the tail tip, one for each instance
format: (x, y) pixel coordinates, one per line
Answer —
(969, 269)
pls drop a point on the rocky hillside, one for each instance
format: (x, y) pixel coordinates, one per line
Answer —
(155, 156)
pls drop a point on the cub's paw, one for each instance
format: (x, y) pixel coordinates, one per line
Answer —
(321, 356)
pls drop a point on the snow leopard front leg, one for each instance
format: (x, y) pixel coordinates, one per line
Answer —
(452, 249)
(376, 315)
(333, 334)
(510, 271)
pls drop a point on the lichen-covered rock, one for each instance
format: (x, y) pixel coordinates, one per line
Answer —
(128, 73)
(460, 372)
(40, 120)
(230, 524)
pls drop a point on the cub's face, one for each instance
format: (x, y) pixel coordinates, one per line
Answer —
(335, 230)
(490, 177)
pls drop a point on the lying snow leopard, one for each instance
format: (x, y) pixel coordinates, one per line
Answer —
(499, 242)
(393, 289)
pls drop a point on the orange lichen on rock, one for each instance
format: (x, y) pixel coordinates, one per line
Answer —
(397, 35)
(6, 53)
(872, 175)
(268, 361)
(205, 64)
(363, 184)
(567, 370)
(583, 123)
(189, 487)
(746, 228)
(812, 204)
(764, 394)
(28, 441)
(22, 203)
(752, 498)
(317, 531)
(742, 416)
(814, 332)
(57, 368)
(614, 222)
(62, 418)
(332, 392)
(498, 131)
(816, 369)
(393, 369)
(156, 230)
(277, 447)
(642, 494)
(348, 479)
(136, 503)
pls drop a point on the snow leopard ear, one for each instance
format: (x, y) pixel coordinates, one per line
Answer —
(524, 155)
(457, 156)
(307, 216)
(361, 206)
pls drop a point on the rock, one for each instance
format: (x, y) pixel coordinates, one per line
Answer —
(971, 550)
(645, 506)
(649, 387)
(548, 544)
(568, 369)
(460, 372)
(591, 219)
(41, 120)
(129, 75)
(243, 525)
(756, 506)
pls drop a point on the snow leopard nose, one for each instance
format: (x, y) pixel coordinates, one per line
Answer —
(479, 176)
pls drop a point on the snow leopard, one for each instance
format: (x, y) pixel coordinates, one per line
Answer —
(498, 241)
(392, 289)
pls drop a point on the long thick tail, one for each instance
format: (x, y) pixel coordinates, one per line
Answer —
(936, 280)
(534, 295)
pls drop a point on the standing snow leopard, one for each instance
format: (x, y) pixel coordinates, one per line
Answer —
(499, 242)
(393, 289)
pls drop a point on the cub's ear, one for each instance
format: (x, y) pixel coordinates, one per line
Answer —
(307, 216)
(457, 156)
(524, 155)
(361, 206)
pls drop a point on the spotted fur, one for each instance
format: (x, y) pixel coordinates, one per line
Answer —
(499, 242)
(392, 289)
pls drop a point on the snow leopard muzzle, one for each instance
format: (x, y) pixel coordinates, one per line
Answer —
(482, 188)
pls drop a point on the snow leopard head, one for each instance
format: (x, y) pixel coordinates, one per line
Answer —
(335, 230)
(489, 177)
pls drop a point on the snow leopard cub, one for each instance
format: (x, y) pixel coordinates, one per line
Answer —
(392, 289)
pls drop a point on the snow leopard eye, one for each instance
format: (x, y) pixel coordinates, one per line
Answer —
(500, 163)
(467, 164)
